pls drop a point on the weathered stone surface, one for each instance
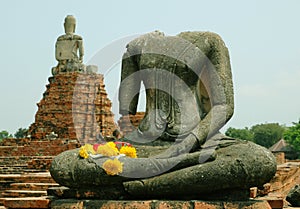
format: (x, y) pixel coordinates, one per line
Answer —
(101, 193)
(188, 85)
(293, 196)
(238, 166)
(155, 204)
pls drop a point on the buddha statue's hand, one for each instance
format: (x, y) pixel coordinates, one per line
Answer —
(180, 146)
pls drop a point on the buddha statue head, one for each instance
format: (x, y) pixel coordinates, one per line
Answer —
(70, 24)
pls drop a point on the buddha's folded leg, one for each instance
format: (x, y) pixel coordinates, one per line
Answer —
(69, 169)
(236, 167)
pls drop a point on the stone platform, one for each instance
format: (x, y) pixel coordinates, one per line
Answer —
(156, 204)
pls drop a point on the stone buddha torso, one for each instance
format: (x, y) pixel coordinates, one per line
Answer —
(170, 73)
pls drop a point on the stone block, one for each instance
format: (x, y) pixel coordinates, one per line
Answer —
(29, 202)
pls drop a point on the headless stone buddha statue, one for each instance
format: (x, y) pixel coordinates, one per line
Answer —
(188, 86)
(69, 49)
(189, 98)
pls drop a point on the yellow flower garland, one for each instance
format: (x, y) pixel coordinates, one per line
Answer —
(110, 149)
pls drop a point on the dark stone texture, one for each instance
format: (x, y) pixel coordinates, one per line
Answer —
(102, 193)
(293, 196)
(157, 204)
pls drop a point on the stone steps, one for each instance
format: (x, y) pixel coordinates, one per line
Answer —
(7, 179)
(34, 150)
(32, 186)
(26, 190)
(27, 202)
(23, 193)
(44, 177)
(28, 171)
(24, 164)
(12, 169)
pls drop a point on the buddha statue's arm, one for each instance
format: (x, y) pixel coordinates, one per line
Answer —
(81, 50)
(217, 79)
(130, 85)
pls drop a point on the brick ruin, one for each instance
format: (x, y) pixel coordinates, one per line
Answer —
(74, 106)
(129, 122)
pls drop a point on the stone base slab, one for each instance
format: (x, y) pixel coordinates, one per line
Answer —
(27, 202)
(156, 204)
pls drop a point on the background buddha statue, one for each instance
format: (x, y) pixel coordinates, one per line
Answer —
(69, 49)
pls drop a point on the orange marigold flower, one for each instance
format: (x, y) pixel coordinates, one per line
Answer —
(107, 150)
(128, 151)
(113, 167)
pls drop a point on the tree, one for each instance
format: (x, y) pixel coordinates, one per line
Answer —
(292, 135)
(4, 134)
(244, 133)
(267, 134)
(263, 134)
(21, 133)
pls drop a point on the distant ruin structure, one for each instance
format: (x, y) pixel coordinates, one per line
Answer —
(75, 105)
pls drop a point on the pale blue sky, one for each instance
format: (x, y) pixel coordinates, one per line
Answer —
(263, 38)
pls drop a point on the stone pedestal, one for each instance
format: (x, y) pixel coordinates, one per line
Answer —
(74, 106)
(156, 204)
